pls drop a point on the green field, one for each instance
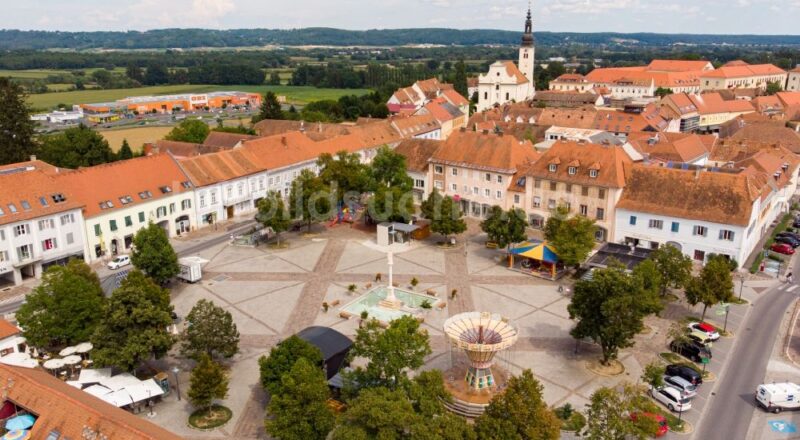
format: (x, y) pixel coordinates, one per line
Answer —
(298, 95)
(31, 74)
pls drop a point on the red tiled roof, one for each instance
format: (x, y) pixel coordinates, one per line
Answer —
(26, 182)
(709, 103)
(477, 150)
(71, 412)
(223, 139)
(413, 125)
(789, 99)
(610, 162)
(7, 329)
(417, 152)
(743, 70)
(455, 98)
(109, 182)
(513, 71)
(678, 65)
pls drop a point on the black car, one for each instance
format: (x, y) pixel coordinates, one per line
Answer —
(690, 350)
(791, 241)
(685, 372)
(789, 234)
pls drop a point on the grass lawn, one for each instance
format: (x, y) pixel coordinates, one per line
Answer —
(136, 136)
(298, 95)
(31, 73)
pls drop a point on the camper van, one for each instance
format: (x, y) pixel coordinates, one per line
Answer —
(776, 397)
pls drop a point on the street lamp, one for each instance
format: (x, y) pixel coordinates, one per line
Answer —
(175, 371)
(741, 284)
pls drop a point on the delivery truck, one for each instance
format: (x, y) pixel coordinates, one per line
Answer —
(191, 269)
(776, 397)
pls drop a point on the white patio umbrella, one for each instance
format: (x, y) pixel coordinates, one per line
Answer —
(54, 364)
(72, 360)
(67, 351)
(84, 347)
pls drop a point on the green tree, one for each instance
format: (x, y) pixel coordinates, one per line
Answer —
(607, 416)
(674, 267)
(519, 413)
(653, 374)
(210, 330)
(189, 130)
(64, 309)
(377, 413)
(345, 174)
(460, 81)
(610, 309)
(153, 254)
(662, 92)
(125, 151)
(300, 410)
(390, 352)
(274, 79)
(391, 204)
(445, 215)
(272, 214)
(156, 74)
(310, 199)
(16, 128)
(75, 147)
(134, 326)
(649, 279)
(712, 286)
(207, 383)
(572, 237)
(773, 88)
(134, 72)
(388, 168)
(282, 358)
(270, 108)
(505, 228)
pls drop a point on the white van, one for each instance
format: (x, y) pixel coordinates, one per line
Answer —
(775, 397)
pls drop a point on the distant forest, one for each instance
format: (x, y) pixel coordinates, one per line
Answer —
(194, 38)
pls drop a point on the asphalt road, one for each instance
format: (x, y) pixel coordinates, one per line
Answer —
(732, 405)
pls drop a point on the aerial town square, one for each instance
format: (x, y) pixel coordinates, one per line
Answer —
(229, 219)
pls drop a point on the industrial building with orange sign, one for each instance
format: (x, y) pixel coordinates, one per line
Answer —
(173, 103)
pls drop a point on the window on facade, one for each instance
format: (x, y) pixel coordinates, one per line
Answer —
(537, 202)
(46, 224)
(24, 252)
(161, 211)
(699, 255)
(25, 205)
(128, 221)
(126, 200)
(553, 186)
(438, 184)
(601, 213)
(676, 226)
(49, 244)
(475, 190)
(3, 256)
(497, 87)
(70, 238)
(656, 224)
(165, 189)
(601, 193)
(516, 199)
(537, 183)
(487, 177)
(240, 188)
(230, 191)
(171, 208)
(584, 210)
(453, 187)
(701, 231)
(551, 204)
(141, 217)
(485, 95)
(726, 234)
(2, 235)
(552, 168)
(202, 200)
(572, 171)
(438, 169)
(97, 230)
(584, 190)
(213, 197)
(144, 195)
(21, 230)
(487, 192)
(112, 224)
(186, 204)
(499, 179)
(12, 208)
(569, 187)
(43, 201)
(454, 171)
(499, 194)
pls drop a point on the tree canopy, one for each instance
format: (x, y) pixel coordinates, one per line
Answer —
(189, 130)
(64, 309)
(572, 237)
(505, 228)
(444, 213)
(388, 168)
(519, 413)
(675, 267)
(16, 126)
(134, 327)
(712, 286)
(272, 213)
(610, 309)
(153, 254)
(392, 203)
(344, 174)
(270, 108)
(389, 352)
(75, 147)
(299, 411)
(282, 358)
(210, 330)
(309, 199)
(207, 383)
(125, 151)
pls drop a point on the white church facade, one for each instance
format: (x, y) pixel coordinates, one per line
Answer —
(508, 82)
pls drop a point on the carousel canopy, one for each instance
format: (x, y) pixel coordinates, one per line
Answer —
(536, 250)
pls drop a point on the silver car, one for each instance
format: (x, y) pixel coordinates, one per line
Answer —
(684, 386)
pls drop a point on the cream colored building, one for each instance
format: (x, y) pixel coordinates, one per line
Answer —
(793, 80)
(740, 75)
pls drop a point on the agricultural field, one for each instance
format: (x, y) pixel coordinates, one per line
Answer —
(135, 136)
(295, 95)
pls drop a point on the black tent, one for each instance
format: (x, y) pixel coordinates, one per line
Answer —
(333, 345)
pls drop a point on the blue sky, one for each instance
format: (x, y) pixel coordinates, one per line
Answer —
(667, 16)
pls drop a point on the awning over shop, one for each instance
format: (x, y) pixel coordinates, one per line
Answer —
(536, 250)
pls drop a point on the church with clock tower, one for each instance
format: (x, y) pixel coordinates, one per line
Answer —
(508, 82)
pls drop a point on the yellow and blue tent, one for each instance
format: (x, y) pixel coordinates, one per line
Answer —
(536, 250)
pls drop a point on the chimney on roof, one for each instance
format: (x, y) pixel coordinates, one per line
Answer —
(697, 172)
(33, 158)
(319, 127)
(463, 129)
(283, 141)
(485, 132)
(302, 126)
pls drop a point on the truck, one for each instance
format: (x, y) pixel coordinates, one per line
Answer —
(191, 269)
(776, 397)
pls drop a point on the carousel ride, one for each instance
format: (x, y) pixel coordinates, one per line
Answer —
(481, 336)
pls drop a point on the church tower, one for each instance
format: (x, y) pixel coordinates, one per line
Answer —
(527, 50)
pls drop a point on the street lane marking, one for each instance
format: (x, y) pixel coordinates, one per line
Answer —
(794, 286)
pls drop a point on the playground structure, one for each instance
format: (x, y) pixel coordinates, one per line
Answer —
(346, 214)
(481, 335)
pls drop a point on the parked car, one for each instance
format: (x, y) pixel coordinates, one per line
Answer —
(706, 328)
(791, 241)
(690, 350)
(658, 418)
(700, 338)
(672, 399)
(684, 386)
(782, 248)
(120, 261)
(789, 234)
(685, 372)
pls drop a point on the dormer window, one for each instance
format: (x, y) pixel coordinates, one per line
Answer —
(572, 170)
(593, 174)
(167, 190)
(552, 168)
(58, 198)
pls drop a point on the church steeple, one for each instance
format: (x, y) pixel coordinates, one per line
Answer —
(527, 37)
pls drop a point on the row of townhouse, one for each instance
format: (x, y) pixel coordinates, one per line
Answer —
(671, 191)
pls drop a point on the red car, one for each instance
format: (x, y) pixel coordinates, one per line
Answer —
(782, 248)
(660, 420)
